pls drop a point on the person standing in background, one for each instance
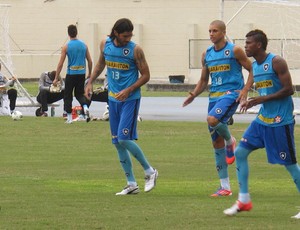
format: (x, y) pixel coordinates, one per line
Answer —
(77, 53)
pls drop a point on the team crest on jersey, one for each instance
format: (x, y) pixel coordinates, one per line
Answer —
(218, 111)
(282, 155)
(266, 67)
(126, 51)
(125, 131)
(227, 53)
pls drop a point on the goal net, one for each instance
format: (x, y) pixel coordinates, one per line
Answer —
(279, 19)
(7, 68)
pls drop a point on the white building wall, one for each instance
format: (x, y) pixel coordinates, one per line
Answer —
(162, 27)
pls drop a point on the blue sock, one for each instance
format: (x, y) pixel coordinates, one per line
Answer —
(242, 168)
(222, 130)
(294, 170)
(136, 151)
(221, 164)
(126, 163)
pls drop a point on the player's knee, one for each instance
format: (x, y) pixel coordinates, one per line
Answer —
(241, 153)
(123, 142)
(212, 121)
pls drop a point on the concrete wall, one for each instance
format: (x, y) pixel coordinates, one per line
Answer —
(162, 27)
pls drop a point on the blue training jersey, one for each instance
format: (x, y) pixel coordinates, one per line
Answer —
(76, 52)
(225, 72)
(275, 112)
(122, 71)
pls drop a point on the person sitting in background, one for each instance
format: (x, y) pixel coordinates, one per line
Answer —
(48, 94)
(100, 94)
(8, 96)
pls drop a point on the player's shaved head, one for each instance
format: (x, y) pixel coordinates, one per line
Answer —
(220, 24)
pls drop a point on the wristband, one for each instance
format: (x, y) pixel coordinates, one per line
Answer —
(192, 94)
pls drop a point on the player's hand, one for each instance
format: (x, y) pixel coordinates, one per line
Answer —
(242, 95)
(55, 81)
(252, 101)
(88, 91)
(189, 99)
(122, 95)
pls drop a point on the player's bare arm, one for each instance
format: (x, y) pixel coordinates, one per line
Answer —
(60, 64)
(142, 66)
(246, 63)
(281, 68)
(201, 85)
(89, 61)
(98, 69)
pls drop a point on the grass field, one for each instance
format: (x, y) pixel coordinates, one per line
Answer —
(32, 88)
(57, 176)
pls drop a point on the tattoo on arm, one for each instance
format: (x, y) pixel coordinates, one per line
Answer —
(140, 59)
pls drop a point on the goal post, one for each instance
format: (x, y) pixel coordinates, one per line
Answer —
(6, 58)
(279, 19)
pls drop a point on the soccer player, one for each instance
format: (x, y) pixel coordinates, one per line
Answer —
(124, 61)
(273, 127)
(223, 62)
(77, 52)
(46, 95)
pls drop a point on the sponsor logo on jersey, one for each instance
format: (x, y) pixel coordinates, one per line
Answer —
(117, 65)
(244, 139)
(264, 84)
(277, 119)
(219, 68)
(268, 120)
(77, 67)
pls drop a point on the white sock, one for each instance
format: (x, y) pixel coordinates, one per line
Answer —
(69, 116)
(225, 183)
(85, 107)
(132, 183)
(149, 171)
(229, 142)
(244, 198)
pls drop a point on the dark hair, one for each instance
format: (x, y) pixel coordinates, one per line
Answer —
(52, 75)
(259, 36)
(121, 26)
(72, 31)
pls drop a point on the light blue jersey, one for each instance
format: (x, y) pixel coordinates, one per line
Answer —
(76, 52)
(275, 112)
(225, 72)
(122, 71)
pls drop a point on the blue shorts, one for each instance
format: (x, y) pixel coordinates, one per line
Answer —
(222, 110)
(278, 142)
(123, 120)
